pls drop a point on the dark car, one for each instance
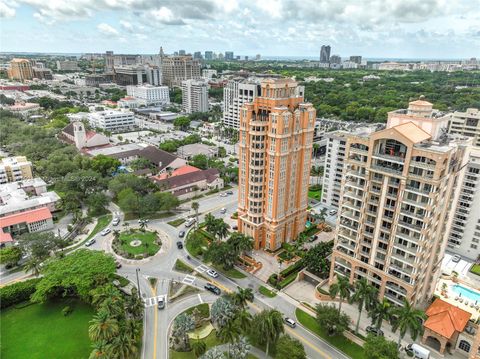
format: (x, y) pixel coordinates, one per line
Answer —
(179, 245)
(161, 303)
(118, 265)
(229, 192)
(181, 234)
(215, 290)
(375, 331)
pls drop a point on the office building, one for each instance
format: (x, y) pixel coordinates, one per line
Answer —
(149, 95)
(119, 60)
(14, 169)
(335, 59)
(181, 52)
(176, 69)
(275, 147)
(42, 73)
(194, 96)
(236, 93)
(465, 123)
(325, 54)
(154, 75)
(394, 217)
(464, 238)
(130, 75)
(111, 120)
(197, 55)
(229, 55)
(356, 59)
(20, 69)
(67, 65)
(258, 57)
(208, 55)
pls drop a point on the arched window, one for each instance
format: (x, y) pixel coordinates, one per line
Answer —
(464, 345)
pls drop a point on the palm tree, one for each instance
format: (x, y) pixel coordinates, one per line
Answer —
(229, 333)
(342, 289)
(240, 242)
(268, 325)
(101, 350)
(244, 320)
(242, 295)
(407, 318)
(221, 228)
(209, 221)
(199, 348)
(102, 326)
(134, 305)
(33, 265)
(381, 311)
(100, 294)
(195, 207)
(143, 225)
(364, 295)
(124, 346)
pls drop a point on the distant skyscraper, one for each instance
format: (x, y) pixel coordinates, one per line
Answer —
(181, 52)
(356, 59)
(276, 133)
(197, 55)
(258, 57)
(236, 93)
(20, 69)
(325, 54)
(335, 59)
(229, 55)
(208, 55)
(176, 69)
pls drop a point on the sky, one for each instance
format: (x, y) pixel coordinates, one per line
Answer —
(448, 29)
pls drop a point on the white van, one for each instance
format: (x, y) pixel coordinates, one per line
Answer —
(418, 351)
(189, 222)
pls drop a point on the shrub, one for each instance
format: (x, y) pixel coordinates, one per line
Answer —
(67, 310)
(17, 292)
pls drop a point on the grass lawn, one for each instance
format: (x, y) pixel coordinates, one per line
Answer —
(41, 331)
(144, 237)
(350, 348)
(177, 222)
(102, 222)
(231, 273)
(475, 269)
(181, 266)
(203, 308)
(315, 194)
(267, 292)
(211, 341)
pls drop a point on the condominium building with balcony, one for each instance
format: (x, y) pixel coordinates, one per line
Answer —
(236, 93)
(14, 169)
(275, 147)
(465, 123)
(394, 214)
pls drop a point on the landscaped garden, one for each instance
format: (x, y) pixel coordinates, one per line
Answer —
(177, 222)
(136, 244)
(315, 192)
(43, 331)
(102, 222)
(266, 292)
(475, 269)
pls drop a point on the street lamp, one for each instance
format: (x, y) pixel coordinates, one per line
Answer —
(138, 283)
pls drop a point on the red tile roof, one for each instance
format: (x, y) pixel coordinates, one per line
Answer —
(32, 216)
(446, 319)
(90, 134)
(5, 237)
(178, 172)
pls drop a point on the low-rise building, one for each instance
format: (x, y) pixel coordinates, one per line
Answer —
(14, 169)
(24, 108)
(67, 65)
(149, 95)
(187, 152)
(75, 133)
(111, 120)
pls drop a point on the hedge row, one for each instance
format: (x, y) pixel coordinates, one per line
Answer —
(288, 274)
(17, 292)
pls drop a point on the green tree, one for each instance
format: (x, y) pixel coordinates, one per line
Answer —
(407, 319)
(182, 324)
(200, 161)
(169, 146)
(10, 256)
(240, 242)
(101, 350)
(316, 259)
(381, 311)
(195, 207)
(33, 266)
(289, 348)
(102, 327)
(242, 296)
(377, 347)
(364, 295)
(129, 201)
(199, 348)
(268, 326)
(331, 319)
(229, 334)
(97, 202)
(209, 221)
(182, 123)
(223, 311)
(244, 320)
(341, 288)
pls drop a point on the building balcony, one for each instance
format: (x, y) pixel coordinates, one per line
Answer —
(410, 225)
(395, 157)
(405, 248)
(405, 259)
(404, 270)
(347, 235)
(394, 299)
(348, 225)
(352, 194)
(422, 165)
(355, 184)
(389, 170)
(346, 244)
(358, 151)
(351, 215)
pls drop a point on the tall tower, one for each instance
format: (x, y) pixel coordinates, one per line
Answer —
(325, 54)
(276, 134)
(79, 134)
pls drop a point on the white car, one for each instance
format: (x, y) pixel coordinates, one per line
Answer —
(290, 322)
(105, 231)
(332, 212)
(116, 221)
(212, 273)
(89, 242)
(223, 210)
(456, 258)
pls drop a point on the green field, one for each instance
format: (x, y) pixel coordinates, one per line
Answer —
(146, 237)
(475, 269)
(350, 348)
(41, 331)
(317, 195)
(266, 292)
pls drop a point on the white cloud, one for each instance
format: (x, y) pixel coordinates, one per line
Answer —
(107, 30)
(6, 11)
(126, 25)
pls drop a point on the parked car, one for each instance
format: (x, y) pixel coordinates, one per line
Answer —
(212, 273)
(161, 303)
(234, 227)
(313, 238)
(181, 234)
(290, 322)
(223, 210)
(229, 192)
(418, 351)
(189, 222)
(90, 242)
(105, 231)
(118, 265)
(456, 258)
(115, 221)
(374, 330)
(332, 212)
(179, 245)
(215, 290)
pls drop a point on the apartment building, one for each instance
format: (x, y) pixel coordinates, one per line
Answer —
(394, 216)
(67, 65)
(275, 147)
(20, 69)
(333, 168)
(176, 69)
(465, 123)
(236, 93)
(464, 238)
(14, 169)
(149, 95)
(194, 96)
(111, 120)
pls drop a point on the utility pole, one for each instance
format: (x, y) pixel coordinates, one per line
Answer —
(138, 283)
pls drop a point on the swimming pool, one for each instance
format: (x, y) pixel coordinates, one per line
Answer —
(466, 292)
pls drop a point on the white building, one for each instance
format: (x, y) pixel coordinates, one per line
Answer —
(208, 74)
(237, 92)
(465, 123)
(464, 238)
(333, 169)
(111, 120)
(149, 95)
(194, 96)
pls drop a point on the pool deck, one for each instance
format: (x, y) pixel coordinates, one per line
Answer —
(453, 298)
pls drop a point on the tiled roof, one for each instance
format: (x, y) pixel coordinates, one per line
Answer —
(412, 132)
(32, 216)
(5, 237)
(178, 172)
(189, 178)
(157, 156)
(445, 319)
(68, 129)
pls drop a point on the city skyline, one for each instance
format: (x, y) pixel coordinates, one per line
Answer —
(433, 29)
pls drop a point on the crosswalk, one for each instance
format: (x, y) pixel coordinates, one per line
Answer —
(201, 268)
(152, 301)
(189, 279)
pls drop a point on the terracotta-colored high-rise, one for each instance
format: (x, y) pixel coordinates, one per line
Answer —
(275, 140)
